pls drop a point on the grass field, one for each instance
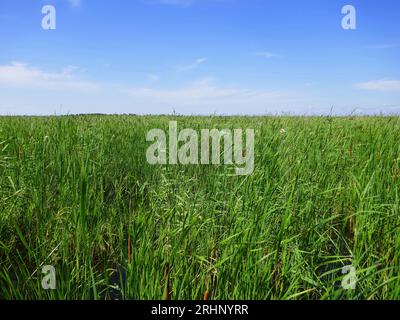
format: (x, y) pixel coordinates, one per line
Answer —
(78, 194)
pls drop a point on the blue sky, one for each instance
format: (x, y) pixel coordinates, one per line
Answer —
(199, 57)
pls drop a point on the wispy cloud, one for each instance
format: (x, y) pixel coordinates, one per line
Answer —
(181, 3)
(384, 46)
(75, 3)
(380, 85)
(184, 3)
(67, 88)
(153, 77)
(23, 75)
(203, 92)
(193, 65)
(266, 54)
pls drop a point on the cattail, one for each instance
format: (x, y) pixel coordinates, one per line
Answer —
(167, 279)
(206, 295)
(352, 226)
(129, 249)
(277, 273)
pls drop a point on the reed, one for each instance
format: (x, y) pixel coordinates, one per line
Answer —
(77, 193)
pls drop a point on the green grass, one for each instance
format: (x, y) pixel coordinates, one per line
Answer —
(75, 191)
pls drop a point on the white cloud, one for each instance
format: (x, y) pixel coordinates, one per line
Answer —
(380, 85)
(44, 92)
(183, 3)
(266, 54)
(22, 75)
(75, 3)
(153, 77)
(204, 93)
(384, 46)
(193, 65)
